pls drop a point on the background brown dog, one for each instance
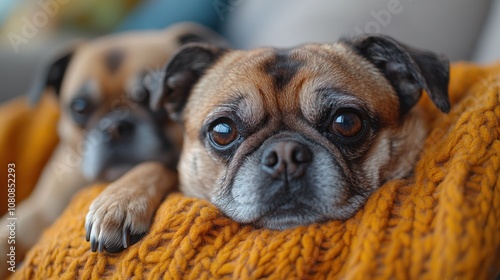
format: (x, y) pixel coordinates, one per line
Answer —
(106, 128)
(287, 137)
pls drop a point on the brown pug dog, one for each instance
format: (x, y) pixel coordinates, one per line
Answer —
(286, 137)
(106, 128)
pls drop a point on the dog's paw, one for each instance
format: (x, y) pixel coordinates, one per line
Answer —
(116, 221)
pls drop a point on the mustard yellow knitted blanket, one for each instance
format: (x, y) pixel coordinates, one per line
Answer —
(441, 223)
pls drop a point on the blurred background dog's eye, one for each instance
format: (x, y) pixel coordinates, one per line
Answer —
(223, 132)
(347, 124)
(81, 109)
(80, 106)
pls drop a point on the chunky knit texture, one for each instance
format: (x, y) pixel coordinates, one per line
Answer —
(442, 223)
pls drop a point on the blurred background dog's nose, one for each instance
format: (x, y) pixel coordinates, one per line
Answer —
(119, 129)
(286, 159)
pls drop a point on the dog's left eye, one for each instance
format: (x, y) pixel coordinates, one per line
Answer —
(347, 124)
(80, 106)
(223, 132)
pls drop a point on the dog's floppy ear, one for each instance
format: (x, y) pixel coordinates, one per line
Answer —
(409, 70)
(51, 72)
(180, 75)
(195, 33)
(189, 32)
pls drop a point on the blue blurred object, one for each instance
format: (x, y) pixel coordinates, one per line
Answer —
(155, 14)
(6, 7)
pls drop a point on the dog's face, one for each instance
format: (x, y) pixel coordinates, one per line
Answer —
(281, 138)
(104, 100)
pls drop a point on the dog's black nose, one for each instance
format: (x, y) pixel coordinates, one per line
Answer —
(120, 129)
(286, 159)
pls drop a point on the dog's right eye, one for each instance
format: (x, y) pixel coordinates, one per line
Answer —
(223, 132)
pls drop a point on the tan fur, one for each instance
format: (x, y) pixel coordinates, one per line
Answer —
(282, 103)
(142, 51)
(239, 71)
(130, 203)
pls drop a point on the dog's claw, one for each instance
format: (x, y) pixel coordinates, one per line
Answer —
(93, 244)
(109, 225)
(87, 232)
(100, 248)
(125, 237)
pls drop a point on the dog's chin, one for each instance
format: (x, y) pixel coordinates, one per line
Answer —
(288, 216)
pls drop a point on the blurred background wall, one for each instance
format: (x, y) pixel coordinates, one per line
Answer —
(31, 30)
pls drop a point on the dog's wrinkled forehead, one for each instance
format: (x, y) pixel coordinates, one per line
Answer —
(303, 81)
